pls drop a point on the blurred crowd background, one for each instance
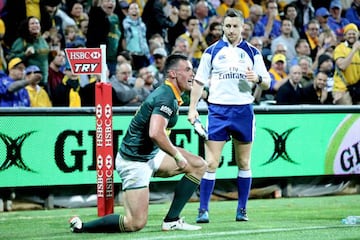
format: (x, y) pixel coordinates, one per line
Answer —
(311, 48)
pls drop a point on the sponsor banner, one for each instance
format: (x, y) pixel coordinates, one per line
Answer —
(84, 60)
(343, 152)
(60, 149)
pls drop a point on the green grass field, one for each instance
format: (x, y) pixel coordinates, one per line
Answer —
(316, 218)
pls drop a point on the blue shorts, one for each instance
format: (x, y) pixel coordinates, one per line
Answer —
(225, 121)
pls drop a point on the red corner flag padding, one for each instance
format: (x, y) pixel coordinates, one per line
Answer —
(104, 149)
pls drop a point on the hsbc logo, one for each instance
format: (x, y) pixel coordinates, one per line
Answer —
(108, 111)
(84, 55)
(98, 111)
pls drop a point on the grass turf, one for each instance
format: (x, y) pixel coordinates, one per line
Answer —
(316, 218)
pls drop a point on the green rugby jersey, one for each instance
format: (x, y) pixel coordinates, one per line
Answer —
(136, 144)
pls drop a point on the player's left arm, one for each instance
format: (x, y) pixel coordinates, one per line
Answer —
(263, 77)
(158, 134)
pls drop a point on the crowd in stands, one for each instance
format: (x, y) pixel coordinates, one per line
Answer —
(311, 48)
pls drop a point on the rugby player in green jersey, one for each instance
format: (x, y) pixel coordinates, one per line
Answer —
(147, 151)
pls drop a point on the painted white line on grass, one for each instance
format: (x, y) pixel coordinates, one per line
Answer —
(6, 219)
(227, 233)
(179, 235)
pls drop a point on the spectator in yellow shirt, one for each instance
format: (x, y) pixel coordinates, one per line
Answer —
(38, 96)
(197, 43)
(244, 6)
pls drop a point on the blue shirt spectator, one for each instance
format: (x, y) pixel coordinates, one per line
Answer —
(12, 87)
(336, 22)
(353, 13)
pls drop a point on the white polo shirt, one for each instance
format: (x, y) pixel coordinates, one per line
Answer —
(222, 68)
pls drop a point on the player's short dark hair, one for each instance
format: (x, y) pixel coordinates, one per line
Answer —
(173, 60)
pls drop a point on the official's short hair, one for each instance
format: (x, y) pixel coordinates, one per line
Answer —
(173, 60)
(231, 12)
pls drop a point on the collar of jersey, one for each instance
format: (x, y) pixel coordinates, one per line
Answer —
(175, 91)
(229, 44)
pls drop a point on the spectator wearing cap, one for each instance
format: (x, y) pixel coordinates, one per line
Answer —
(124, 6)
(335, 21)
(121, 10)
(278, 77)
(38, 96)
(12, 86)
(353, 13)
(322, 15)
(157, 68)
(347, 61)
(278, 71)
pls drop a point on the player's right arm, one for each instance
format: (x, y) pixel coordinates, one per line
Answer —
(195, 95)
(201, 78)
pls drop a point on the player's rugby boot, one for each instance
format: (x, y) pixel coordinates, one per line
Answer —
(178, 225)
(203, 216)
(75, 224)
(241, 215)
